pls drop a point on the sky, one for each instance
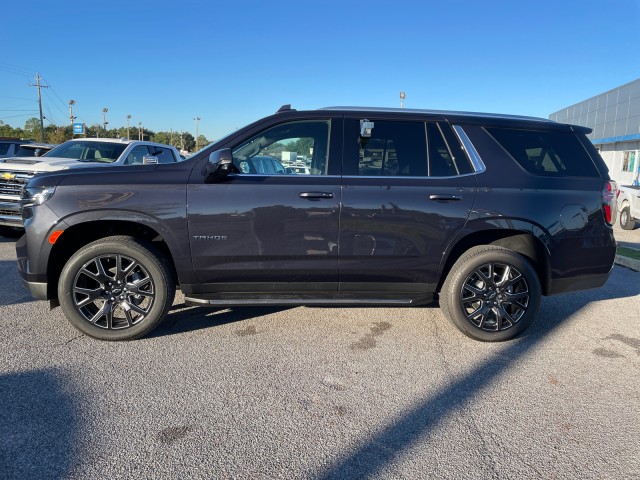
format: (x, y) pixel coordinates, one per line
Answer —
(233, 62)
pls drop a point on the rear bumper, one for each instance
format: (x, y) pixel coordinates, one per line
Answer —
(584, 282)
(582, 263)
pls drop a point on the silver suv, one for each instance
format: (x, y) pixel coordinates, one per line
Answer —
(83, 152)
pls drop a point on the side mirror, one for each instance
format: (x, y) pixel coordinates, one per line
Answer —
(149, 160)
(220, 162)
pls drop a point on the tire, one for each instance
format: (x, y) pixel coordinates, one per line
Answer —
(98, 305)
(11, 232)
(627, 222)
(476, 295)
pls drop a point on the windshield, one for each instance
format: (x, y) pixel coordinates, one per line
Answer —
(89, 151)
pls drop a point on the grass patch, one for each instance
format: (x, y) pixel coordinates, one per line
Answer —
(628, 252)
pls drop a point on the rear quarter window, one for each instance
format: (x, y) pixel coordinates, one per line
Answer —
(557, 154)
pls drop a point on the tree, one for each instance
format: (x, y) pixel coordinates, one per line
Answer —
(32, 129)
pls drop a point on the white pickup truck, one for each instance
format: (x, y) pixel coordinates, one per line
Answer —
(82, 152)
(629, 206)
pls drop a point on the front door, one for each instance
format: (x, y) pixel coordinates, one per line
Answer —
(268, 227)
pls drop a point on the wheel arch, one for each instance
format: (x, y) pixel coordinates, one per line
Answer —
(80, 234)
(524, 243)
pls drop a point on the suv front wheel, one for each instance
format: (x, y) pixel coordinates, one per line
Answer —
(116, 288)
(492, 294)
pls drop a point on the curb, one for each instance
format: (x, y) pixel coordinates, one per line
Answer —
(631, 263)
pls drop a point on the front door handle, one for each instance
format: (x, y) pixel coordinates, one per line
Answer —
(445, 198)
(316, 195)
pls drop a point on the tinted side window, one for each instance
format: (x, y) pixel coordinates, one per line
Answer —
(441, 163)
(394, 149)
(136, 154)
(546, 153)
(164, 155)
(25, 152)
(4, 148)
(460, 159)
(281, 145)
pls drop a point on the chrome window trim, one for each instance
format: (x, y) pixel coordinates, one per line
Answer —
(288, 175)
(477, 162)
(408, 177)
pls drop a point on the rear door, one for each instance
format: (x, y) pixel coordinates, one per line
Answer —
(408, 189)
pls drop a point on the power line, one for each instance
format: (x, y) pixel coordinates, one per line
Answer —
(17, 98)
(62, 102)
(16, 116)
(55, 104)
(15, 71)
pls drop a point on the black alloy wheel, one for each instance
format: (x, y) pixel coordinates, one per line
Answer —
(117, 288)
(491, 293)
(113, 292)
(494, 297)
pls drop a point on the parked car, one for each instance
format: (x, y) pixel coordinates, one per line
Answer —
(484, 212)
(79, 153)
(262, 165)
(629, 206)
(34, 149)
(13, 147)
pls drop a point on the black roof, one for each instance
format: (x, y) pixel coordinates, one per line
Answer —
(480, 118)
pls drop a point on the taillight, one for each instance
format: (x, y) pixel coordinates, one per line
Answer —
(609, 195)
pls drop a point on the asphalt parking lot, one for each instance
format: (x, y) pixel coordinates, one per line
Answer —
(322, 393)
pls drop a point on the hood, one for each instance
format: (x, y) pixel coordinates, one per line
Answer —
(45, 164)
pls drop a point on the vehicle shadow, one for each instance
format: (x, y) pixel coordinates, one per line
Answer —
(12, 291)
(371, 457)
(39, 425)
(189, 319)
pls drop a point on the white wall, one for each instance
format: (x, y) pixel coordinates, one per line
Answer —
(612, 155)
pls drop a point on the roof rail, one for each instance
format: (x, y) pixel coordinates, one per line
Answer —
(285, 108)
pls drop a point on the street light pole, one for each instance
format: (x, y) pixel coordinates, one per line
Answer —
(104, 119)
(197, 119)
(402, 97)
(128, 118)
(71, 117)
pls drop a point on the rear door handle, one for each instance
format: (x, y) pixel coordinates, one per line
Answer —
(316, 195)
(445, 198)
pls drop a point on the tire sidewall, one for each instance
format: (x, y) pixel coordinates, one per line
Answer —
(626, 222)
(129, 249)
(461, 271)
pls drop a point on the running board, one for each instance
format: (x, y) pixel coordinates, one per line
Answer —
(258, 302)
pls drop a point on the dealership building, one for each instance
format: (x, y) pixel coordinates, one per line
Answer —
(614, 117)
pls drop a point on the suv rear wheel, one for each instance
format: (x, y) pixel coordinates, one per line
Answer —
(491, 294)
(117, 288)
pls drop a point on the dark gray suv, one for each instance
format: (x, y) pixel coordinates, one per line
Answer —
(399, 207)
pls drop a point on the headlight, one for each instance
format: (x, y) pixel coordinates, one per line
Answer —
(36, 196)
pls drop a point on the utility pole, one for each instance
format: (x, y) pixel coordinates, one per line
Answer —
(197, 119)
(402, 97)
(71, 117)
(39, 86)
(128, 118)
(140, 132)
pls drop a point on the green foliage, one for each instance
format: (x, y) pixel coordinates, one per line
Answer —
(628, 252)
(60, 134)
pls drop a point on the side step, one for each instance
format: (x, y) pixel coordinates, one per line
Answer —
(297, 301)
